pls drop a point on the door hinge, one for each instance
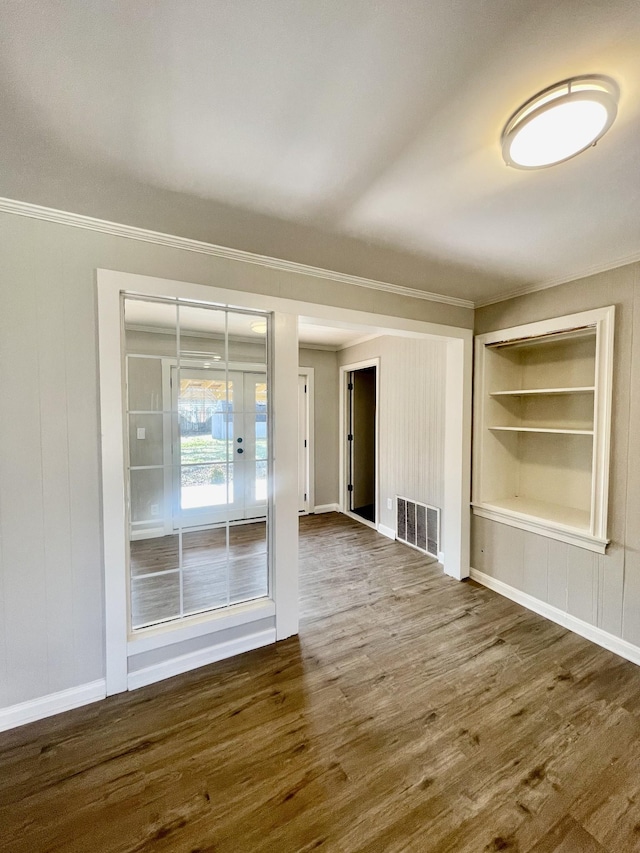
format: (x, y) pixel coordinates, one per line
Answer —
(305, 442)
(350, 487)
(350, 386)
(350, 438)
(305, 389)
(305, 496)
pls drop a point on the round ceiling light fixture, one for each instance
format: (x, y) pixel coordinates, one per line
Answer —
(560, 122)
(259, 327)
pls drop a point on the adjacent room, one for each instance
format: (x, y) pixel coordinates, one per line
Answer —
(318, 350)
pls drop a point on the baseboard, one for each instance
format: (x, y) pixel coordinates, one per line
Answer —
(202, 657)
(326, 508)
(53, 703)
(147, 533)
(602, 638)
(389, 532)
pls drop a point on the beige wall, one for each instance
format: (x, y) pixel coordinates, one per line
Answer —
(325, 376)
(603, 590)
(51, 582)
(411, 419)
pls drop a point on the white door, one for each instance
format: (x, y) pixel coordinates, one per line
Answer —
(219, 446)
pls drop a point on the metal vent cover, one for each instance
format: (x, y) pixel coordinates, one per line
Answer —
(418, 525)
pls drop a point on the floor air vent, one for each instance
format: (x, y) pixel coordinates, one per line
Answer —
(418, 525)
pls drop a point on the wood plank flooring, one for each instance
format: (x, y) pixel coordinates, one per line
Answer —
(413, 713)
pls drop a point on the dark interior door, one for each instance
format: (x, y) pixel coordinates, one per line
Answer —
(362, 432)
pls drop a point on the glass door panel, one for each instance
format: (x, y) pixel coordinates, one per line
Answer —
(221, 446)
(198, 449)
(257, 440)
(204, 490)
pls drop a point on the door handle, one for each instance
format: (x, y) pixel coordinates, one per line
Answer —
(240, 450)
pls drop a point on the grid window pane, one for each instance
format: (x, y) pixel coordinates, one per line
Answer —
(206, 485)
(147, 495)
(146, 439)
(197, 430)
(155, 599)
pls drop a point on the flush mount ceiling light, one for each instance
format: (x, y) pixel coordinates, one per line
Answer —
(560, 122)
(259, 327)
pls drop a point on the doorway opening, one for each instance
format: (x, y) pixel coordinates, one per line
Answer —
(362, 442)
(168, 645)
(359, 440)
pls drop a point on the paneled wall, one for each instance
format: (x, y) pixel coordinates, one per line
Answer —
(51, 583)
(411, 419)
(603, 590)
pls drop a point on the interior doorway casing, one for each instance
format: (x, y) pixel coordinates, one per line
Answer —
(285, 312)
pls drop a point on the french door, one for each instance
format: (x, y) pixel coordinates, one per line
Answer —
(219, 446)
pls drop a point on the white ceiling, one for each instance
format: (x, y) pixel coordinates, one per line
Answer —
(369, 130)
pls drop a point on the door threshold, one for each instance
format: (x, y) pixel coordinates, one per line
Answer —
(359, 518)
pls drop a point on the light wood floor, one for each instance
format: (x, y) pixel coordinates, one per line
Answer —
(413, 713)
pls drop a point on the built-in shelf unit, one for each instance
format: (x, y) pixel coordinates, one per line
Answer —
(542, 426)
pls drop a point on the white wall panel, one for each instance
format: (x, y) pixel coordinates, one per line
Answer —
(535, 557)
(49, 319)
(21, 493)
(611, 589)
(507, 554)
(478, 549)
(631, 587)
(4, 678)
(557, 573)
(631, 598)
(582, 584)
(84, 463)
(411, 418)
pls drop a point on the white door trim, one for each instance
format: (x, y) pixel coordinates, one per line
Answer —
(309, 375)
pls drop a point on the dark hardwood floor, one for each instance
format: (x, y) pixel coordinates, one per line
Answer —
(413, 713)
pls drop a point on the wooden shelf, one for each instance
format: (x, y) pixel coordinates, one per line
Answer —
(557, 430)
(533, 340)
(561, 515)
(533, 383)
(524, 392)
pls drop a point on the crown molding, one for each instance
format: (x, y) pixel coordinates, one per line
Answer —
(132, 232)
(320, 347)
(595, 269)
